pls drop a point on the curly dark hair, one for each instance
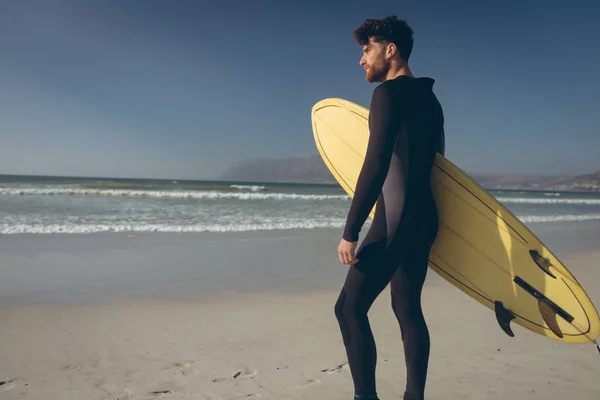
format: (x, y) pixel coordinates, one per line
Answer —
(389, 29)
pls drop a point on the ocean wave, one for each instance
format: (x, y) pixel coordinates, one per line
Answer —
(559, 218)
(124, 227)
(533, 200)
(166, 194)
(253, 188)
(7, 229)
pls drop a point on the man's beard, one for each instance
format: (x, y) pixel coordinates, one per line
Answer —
(378, 71)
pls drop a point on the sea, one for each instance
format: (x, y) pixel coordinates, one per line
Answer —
(45, 205)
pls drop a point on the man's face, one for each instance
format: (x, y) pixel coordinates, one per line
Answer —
(374, 61)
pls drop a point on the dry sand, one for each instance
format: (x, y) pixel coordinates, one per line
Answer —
(286, 345)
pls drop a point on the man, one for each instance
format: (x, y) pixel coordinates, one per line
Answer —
(406, 130)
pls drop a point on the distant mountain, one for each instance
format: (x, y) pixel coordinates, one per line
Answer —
(293, 169)
(584, 183)
(313, 170)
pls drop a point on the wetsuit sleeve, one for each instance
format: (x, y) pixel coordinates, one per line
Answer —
(384, 123)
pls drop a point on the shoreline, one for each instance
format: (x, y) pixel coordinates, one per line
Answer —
(87, 268)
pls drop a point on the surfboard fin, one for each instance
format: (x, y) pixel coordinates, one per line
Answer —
(542, 262)
(548, 309)
(549, 316)
(504, 316)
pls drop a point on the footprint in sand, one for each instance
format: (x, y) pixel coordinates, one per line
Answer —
(337, 369)
(184, 368)
(306, 385)
(161, 392)
(112, 391)
(311, 382)
(239, 374)
(7, 384)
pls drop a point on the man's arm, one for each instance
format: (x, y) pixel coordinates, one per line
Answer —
(384, 123)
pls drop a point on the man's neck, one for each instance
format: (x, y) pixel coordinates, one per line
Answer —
(401, 70)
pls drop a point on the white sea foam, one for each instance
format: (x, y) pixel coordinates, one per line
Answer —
(82, 228)
(165, 194)
(254, 188)
(559, 218)
(253, 193)
(7, 229)
(537, 200)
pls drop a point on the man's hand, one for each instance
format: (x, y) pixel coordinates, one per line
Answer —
(346, 252)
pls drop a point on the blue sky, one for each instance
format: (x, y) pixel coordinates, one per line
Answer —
(183, 89)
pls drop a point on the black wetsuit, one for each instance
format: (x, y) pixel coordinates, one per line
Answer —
(406, 130)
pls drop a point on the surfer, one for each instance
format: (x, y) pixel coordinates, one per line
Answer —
(406, 130)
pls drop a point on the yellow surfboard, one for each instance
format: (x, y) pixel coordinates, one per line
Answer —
(481, 247)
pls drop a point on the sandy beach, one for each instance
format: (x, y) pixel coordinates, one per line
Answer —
(244, 316)
(176, 178)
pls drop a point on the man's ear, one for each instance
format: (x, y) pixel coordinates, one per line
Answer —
(391, 50)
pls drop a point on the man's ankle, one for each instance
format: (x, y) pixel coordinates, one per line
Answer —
(366, 397)
(413, 396)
